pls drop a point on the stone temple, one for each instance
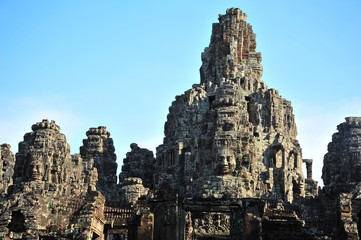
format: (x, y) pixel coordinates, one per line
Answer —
(229, 167)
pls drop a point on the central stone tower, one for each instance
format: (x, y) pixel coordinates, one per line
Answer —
(230, 137)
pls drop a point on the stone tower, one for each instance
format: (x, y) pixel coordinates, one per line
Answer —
(228, 139)
(139, 162)
(7, 162)
(341, 195)
(98, 149)
(342, 163)
(44, 156)
(53, 194)
(230, 136)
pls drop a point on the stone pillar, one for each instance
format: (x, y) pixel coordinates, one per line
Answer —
(237, 223)
(308, 167)
(133, 224)
(146, 225)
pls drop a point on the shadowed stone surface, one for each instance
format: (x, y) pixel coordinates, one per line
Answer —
(342, 163)
(341, 171)
(139, 163)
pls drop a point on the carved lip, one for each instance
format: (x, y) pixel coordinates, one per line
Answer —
(223, 169)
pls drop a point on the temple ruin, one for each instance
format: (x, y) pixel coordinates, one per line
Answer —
(229, 167)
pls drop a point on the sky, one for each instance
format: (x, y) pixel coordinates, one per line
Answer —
(120, 64)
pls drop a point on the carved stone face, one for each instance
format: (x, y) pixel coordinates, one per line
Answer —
(35, 169)
(35, 172)
(95, 142)
(225, 162)
(40, 139)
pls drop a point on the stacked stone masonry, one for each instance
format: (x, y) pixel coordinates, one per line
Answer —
(229, 167)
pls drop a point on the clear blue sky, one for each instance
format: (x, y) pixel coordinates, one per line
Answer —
(121, 63)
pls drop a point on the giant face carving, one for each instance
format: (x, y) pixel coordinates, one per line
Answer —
(225, 161)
